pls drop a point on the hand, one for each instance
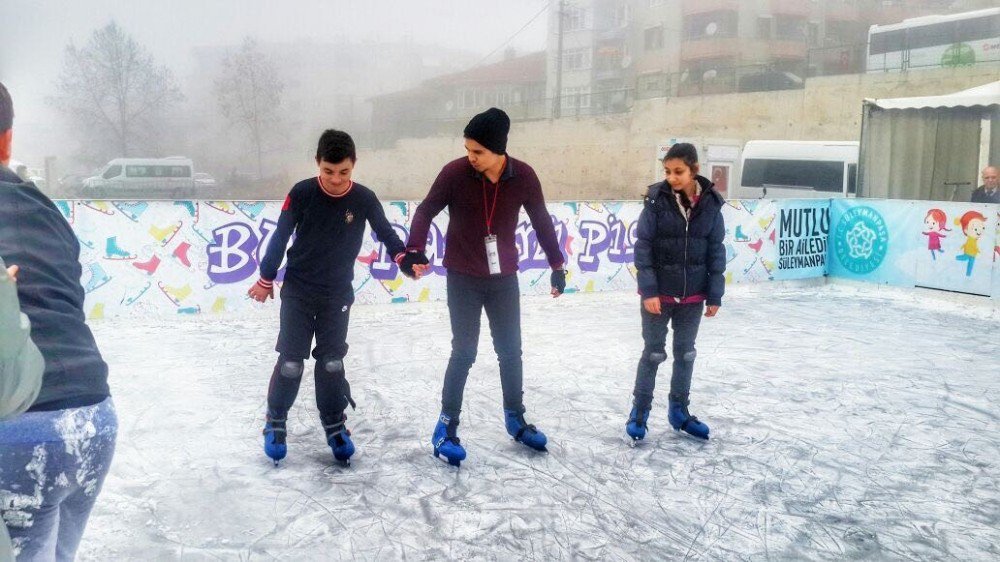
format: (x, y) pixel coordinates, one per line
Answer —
(711, 310)
(12, 271)
(414, 264)
(260, 293)
(652, 305)
(558, 281)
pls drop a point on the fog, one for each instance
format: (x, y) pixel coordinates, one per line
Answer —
(322, 50)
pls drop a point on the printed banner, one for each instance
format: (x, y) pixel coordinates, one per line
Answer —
(803, 232)
(869, 241)
(953, 246)
(750, 240)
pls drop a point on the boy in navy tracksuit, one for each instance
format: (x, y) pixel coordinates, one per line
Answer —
(328, 215)
(681, 264)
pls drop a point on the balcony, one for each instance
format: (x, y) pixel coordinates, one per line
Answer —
(698, 49)
(695, 7)
(789, 8)
(842, 12)
(744, 49)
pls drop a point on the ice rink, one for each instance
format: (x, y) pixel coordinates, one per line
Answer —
(848, 422)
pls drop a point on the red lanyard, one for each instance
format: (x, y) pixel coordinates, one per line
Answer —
(488, 213)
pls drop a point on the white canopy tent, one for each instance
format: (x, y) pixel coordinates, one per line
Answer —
(928, 147)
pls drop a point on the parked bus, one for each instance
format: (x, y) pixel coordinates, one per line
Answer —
(935, 41)
(797, 169)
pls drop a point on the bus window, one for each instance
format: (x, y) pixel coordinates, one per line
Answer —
(852, 179)
(887, 42)
(112, 172)
(931, 35)
(818, 175)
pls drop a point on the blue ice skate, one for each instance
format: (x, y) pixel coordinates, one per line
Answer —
(682, 420)
(523, 432)
(636, 425)
(338, 437)
(445, 441)
(274, 439)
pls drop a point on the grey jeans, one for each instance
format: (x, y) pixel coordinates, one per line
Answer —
(685, 320)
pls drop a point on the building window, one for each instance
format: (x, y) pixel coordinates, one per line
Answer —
(653, 38)
(576, 59)
(469, 98)
(814, 33)
(790, 29)
(763, 27)
(578, 97)
(622, 15)
(574, 19)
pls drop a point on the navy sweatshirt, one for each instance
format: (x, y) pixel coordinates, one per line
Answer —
(35, 236)
(469, 197)
(328, 235)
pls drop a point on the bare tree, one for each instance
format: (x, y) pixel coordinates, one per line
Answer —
(114, 95)
(249, 94)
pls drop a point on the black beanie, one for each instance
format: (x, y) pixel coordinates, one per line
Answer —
(490, 129)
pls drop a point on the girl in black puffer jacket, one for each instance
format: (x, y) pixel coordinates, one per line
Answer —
(681, 265)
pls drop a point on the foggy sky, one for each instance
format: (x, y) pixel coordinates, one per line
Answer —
(35, 32)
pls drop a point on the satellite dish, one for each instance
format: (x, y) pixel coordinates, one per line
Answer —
(449, 105)
(711, 28)
(626, 61)
(709, 74)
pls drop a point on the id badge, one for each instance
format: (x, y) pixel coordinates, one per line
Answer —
(493, 254)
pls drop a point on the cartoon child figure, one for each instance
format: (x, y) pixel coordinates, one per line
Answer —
(934, 223)
(973, 226)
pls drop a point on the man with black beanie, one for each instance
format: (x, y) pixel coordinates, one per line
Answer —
(484, 193)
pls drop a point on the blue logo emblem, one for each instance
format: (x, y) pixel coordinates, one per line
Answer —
(862, 240)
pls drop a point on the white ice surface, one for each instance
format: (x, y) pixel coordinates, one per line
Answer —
(846, 423)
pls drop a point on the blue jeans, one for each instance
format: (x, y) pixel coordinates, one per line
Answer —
(52, 467)
(685, 320)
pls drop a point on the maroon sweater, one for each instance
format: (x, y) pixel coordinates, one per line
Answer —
(461, 188)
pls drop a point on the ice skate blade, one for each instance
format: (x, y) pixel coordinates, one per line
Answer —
(453, 462)
(694, 438)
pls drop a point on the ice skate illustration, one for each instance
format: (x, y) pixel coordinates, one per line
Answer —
(739, 236)
(191, 207)
(99, 206)
(175, 294)
(67, 210)
(166, 234)
(129, 301)
(181, 253)
(251, 209)
(132, 209)
(150, 265)
(189, 310)
(113, 252)
(98, 278)
(222, 206)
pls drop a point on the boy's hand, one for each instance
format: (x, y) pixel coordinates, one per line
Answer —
(652, 305)
(414, 264)
(260, 292)
(12, 271)
(711, 310)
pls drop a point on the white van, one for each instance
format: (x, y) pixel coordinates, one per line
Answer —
(142, 176)
(797, 169)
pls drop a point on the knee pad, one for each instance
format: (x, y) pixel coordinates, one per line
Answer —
(291, 369)
(332, 365)
(689, 356)
(656, 357)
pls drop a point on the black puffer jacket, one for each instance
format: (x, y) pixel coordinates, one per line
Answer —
(678, 256)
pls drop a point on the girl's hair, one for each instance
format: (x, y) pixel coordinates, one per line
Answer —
(969, 217)
(939, 217)
(686, 152)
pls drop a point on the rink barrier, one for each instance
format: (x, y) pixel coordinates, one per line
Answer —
(149, 258)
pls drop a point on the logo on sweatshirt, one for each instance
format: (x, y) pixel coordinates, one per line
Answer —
(348, 217)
